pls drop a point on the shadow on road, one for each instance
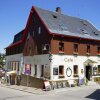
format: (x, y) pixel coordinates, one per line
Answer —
(95, 95)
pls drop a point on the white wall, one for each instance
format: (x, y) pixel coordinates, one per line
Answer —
(65, 60)
(16, 58)
(36, 60)
(70, 61)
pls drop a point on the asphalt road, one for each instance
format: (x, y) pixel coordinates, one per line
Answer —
(84, 93)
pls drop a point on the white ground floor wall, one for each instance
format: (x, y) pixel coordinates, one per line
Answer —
(69, 61)
(51, 63)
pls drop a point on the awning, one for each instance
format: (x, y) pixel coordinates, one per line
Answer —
(11, 72)
(89, 62)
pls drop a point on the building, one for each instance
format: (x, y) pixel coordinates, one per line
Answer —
(54, 47)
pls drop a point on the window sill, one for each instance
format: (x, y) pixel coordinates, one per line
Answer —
(75, 53)
(61, 52)
(88, 54)
(75, 75)
(61, 76)
(98, 54)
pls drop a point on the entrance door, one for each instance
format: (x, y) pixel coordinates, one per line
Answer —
(88, 72)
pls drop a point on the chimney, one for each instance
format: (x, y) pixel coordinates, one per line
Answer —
(58, 10)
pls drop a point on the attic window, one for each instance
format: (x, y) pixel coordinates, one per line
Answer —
(95, 33)
(54, 16)
(84, 31)
(84, 23)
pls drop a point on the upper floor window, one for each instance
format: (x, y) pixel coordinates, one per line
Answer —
(39, 30)
(61, 46)
(88, 48)
(75, 47)
(45, 48)
(98, 50)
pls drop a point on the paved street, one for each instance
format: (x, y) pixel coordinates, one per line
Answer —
(78, 93)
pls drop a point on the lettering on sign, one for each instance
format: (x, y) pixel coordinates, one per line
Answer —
(68, 60)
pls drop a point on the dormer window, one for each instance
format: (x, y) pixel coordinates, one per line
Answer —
(83, 22)
(84, 31)
(54, 16)
(95, 33)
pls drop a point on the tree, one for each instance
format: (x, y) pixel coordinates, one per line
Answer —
(2, 60)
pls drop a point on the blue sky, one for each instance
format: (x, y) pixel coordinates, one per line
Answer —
(14, 14)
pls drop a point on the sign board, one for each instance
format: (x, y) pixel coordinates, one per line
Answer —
(27, 69)
(47, 85)
(68, 71)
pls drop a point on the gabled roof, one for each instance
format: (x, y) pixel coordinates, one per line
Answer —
(59, 24)
(66, 25)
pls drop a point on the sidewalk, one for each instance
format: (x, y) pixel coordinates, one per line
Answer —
(41, 92)
(25, 89)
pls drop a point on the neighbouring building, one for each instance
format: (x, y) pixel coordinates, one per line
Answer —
(53, 47)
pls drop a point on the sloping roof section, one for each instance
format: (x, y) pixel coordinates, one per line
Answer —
(17, 39)
(18, 36)
(66, 25)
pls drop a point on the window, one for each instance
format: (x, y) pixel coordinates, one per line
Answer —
(54, 16)
(98, 69)
(94, 71)
(17, 66)
(83, 22)
(98, 50)
(55, 71)
(42, 70)
(75, 71)
(95, 33)
(61, 46)
(75, 48)
(35, 70)
(84, 31)
(45, 48)
(39, 30)
(88, 48)
(14, 65)
(11, 64)
(61, 70)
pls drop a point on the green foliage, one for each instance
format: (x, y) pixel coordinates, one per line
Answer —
(2, 60)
